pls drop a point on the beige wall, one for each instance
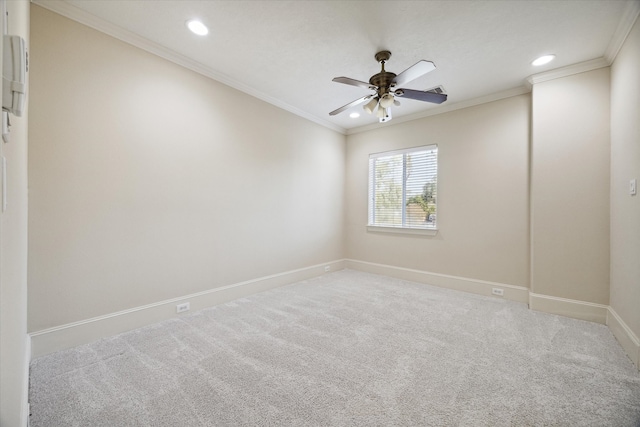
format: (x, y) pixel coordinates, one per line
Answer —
(14, 343)
(482, 194)
(625, 165)
(570, 187)
(150, 182)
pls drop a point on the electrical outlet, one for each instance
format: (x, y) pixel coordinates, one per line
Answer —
(180, 308)
(327, 268)
(497, 291)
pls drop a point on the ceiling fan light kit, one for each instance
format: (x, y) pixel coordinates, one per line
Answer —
(384, 84)
(371, 105)
(386, 100)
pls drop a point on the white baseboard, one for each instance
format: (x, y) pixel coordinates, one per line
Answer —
(85, 331)
(625, 336)
(25, 409)
(576, 309)
(475, 286)
(73, 334)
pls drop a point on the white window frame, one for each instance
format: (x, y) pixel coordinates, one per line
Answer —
(404, 228)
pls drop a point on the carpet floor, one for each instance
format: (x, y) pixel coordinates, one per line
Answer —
(345, 349)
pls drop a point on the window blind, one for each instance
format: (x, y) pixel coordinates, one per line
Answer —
(403, 188)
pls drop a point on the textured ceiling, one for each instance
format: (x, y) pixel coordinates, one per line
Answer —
(287, 52)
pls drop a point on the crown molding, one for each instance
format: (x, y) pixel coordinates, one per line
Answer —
(69, 11)
(444, 109)
(581, 67)
(65, 9)
(629, 17)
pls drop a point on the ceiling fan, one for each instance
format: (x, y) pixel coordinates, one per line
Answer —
(385, 83)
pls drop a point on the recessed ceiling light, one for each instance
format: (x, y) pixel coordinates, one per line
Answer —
(197, 27)
(543, 60)
(354, 115)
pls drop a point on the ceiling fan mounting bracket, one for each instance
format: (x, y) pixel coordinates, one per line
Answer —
(383, 56)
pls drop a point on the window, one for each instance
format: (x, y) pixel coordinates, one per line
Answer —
(403, 187)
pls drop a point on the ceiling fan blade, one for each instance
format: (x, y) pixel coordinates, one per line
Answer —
(353, 82)
(427, 96)
(352, 104)
(416, 70)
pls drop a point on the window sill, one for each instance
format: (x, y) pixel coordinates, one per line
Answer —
(401, 230)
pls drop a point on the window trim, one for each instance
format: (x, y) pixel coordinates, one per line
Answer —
(402, 230)
(431, 231)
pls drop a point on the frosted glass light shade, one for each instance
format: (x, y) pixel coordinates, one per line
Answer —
(369, 106)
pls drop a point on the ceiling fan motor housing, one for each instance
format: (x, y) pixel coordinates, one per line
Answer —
(383, 81)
